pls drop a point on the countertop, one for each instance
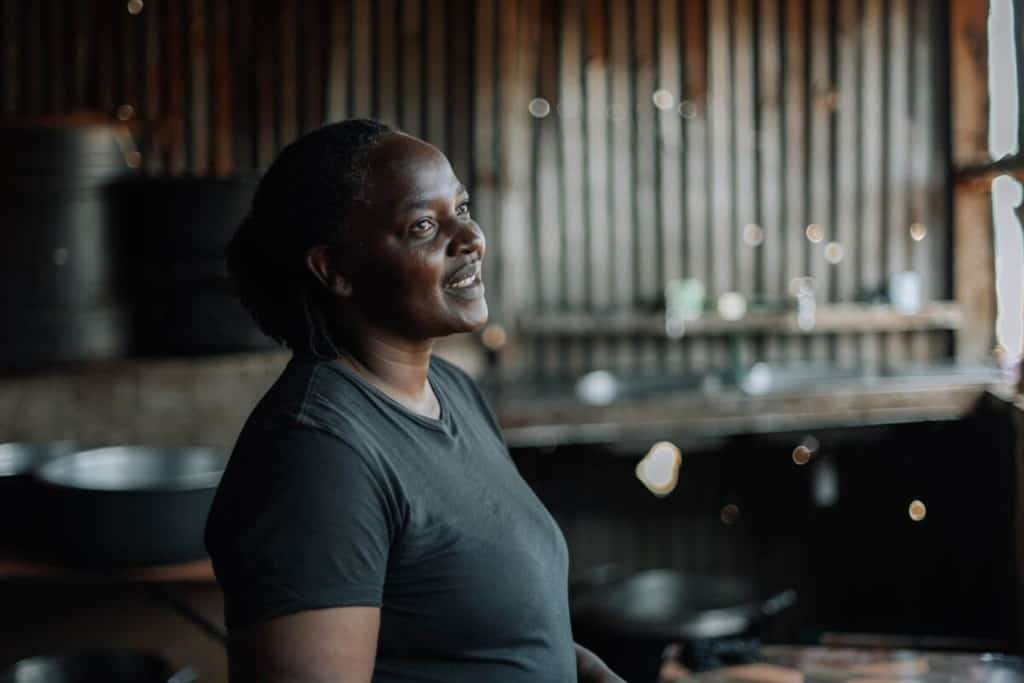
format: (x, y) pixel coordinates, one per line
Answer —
(768, 399)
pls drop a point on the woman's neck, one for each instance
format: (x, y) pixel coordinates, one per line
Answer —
(397, 367)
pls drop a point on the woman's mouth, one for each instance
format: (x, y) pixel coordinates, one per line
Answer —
(469, 287)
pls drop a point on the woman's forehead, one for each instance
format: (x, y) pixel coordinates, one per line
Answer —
(404, 171)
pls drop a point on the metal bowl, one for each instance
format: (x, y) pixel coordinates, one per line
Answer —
(136, 468)
(22, 459)
(129, 506)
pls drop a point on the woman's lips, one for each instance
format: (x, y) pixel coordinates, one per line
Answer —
(471, 287)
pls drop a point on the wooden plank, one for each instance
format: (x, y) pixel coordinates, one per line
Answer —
(83, 55)
(670, 158)
(969, 73)
(34, 50)
(694, 109)
(771, 169)
(361, 64)
(621, 142)
(287, 84)
(314, 49)
(795, 151)
(872, 144)
(819, 170)
(546, 195)
(519, 45)
(223, 87)
(832, 318)
(56, 41)
(744, 162)
(198, 91)
(973, 266)
(9, 56)
(410, 97)
(127, 61)
(847, 162)
(338, 66)
(387, 64)
(648, 279)
(485, 152)
(1017, 411)
(243, 79)
(435, 84)
(570, 112)
(152, 85)
(974, 274)
(175, 74)
(720, 110)
(458, 90)
(623, 195)
(597, 170)
(896, 226)
(925, 260)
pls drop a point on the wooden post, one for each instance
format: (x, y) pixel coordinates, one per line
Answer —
(1018, 516)
(973, 258)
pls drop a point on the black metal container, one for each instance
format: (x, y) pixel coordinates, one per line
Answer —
(128, 506)
(19, 500)
(630, 620)
(94, 667)
(177, 230)
(59, 264)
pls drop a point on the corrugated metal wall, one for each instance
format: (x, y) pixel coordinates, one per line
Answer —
(770, 116)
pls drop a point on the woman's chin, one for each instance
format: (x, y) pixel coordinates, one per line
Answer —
(473, 319)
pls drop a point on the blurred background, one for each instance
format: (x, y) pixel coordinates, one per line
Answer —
(754, 273)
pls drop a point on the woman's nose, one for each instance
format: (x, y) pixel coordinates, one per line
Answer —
(468, 238)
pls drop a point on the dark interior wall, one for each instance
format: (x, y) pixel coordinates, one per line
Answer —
(777, 114)
(859, 563)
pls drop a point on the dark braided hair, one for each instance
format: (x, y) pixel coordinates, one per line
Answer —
(302, 201)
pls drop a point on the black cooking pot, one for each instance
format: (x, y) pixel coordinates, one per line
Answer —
(629, 620)
(128, 506)
(60, 261)
(19, 504)
(96, 667)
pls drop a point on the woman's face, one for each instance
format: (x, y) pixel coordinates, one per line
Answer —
(414, 252)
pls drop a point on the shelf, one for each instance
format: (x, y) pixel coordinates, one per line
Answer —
(15, 567)
(829, 319)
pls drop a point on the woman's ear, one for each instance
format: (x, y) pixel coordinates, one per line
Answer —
(320, 263)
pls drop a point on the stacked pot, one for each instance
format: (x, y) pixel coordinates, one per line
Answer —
(59, 265)
(177, 229)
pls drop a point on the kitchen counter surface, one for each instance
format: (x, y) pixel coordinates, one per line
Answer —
(540, 414)
(790, 664)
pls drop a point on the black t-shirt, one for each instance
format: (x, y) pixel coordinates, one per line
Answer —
(338, 495)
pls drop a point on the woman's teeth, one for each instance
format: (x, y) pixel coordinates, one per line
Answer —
(465, 282)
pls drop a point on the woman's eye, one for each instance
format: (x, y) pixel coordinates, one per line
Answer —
(462, 209)
(422, 227)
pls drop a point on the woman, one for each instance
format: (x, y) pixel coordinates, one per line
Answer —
(371, 524)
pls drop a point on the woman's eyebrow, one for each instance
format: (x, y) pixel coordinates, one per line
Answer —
(424, 201)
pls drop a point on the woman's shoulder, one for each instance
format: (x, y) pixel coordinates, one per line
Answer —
(307, 395)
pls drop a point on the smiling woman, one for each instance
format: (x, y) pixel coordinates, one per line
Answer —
(371, 524)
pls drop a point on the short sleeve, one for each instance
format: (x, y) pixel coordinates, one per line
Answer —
(300, 521)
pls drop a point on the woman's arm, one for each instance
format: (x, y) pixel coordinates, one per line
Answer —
(336, 645)
(590, 668)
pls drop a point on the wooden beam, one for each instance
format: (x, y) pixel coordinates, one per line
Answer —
(833, 318)
(1018, 517)
(969, 75)
(973, 258)
(974, 272)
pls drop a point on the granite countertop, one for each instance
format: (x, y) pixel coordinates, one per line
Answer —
(766, 399)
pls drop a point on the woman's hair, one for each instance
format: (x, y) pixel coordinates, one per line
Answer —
(302, 200)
